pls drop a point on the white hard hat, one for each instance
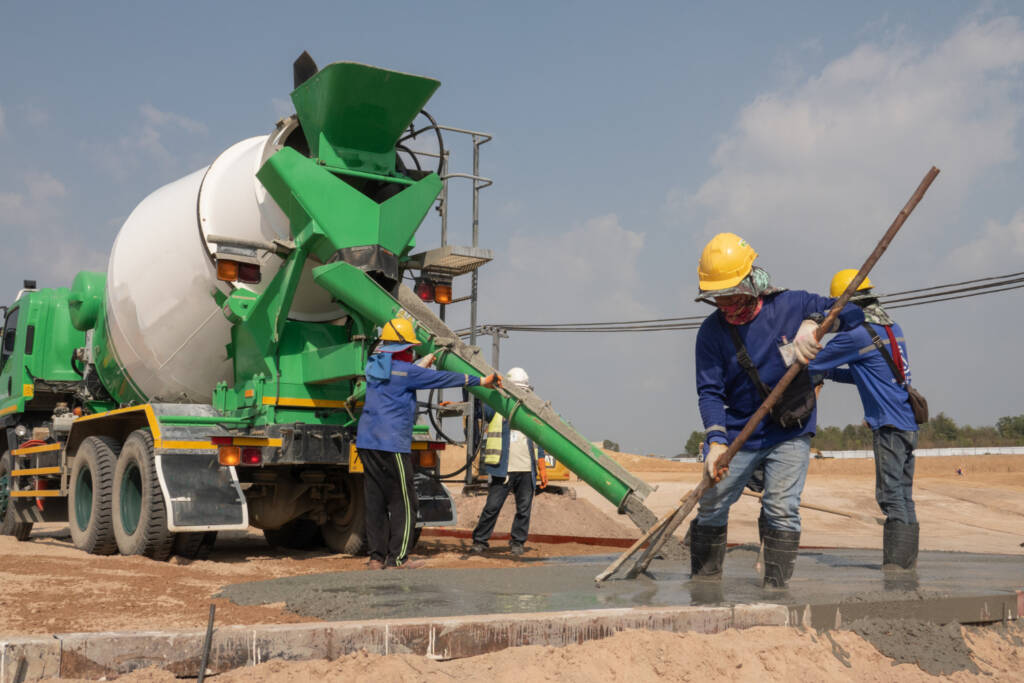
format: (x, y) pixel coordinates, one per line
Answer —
(518, 377)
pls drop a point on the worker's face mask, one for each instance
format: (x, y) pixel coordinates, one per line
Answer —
(739, 309)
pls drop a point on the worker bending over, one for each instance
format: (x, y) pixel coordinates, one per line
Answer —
(743, 350)
(511, 462)
(384, 440)
(876, 353)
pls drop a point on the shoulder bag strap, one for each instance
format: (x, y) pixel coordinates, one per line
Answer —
(897, 355)
(745, 361)
(877, 341)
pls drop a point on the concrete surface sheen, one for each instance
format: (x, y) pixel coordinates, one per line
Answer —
(833, 585)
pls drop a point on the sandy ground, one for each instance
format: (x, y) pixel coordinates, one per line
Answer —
(54, 588)
(757, 654)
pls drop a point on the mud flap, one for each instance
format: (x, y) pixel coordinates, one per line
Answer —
(436, 505)
(201, 495)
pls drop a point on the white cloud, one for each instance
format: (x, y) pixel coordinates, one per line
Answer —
(592, 267)
(157, 133)
(36, 116)
(841, 152)
(43, 186)
(44, 243)
(35, 204)
(155, 118)
(999, 249)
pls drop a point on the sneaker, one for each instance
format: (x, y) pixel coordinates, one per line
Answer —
(375, 564)
(478, 549)
(516, 549)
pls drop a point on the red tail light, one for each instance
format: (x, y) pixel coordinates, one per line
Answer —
(252, 456)
(249, 273)
(424, 290)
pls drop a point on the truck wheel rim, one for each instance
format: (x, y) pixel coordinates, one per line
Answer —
(131, 498)
(83, 498)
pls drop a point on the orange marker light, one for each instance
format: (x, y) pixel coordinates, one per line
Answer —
(229, 456)
(443, 293)
(428, 459)
(227, 271)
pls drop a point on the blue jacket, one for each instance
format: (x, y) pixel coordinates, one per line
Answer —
(725, 394)
(390, 408)
(501, 469)
(885, 400)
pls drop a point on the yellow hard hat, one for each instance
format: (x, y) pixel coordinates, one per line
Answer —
(842, 280)
(399, 330)
(725, 261)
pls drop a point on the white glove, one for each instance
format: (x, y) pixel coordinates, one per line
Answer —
(805, 345)
(715, 453)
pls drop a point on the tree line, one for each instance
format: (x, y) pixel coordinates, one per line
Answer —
(940, 431)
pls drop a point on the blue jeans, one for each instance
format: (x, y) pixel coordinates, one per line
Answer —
(785, 472)
(894, 473)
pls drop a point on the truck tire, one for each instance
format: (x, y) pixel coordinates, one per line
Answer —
(345, 528)
(8, 525)
(140, 516)
(194, 545)
(298, 534)
(90, 511)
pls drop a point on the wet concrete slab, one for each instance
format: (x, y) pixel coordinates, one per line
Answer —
(830, 587)
(451, 613)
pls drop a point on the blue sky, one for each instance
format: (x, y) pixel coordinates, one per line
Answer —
(625, 136)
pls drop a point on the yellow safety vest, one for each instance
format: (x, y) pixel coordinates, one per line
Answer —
(492, 446)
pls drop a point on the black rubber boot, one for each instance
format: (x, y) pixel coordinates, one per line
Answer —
(707, 551)
(780, 551)
(899, 545)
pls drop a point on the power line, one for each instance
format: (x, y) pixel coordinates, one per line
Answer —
(947, 292)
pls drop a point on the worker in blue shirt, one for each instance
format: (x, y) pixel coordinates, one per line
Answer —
(384, 440)
(743, 349)
(887, 412)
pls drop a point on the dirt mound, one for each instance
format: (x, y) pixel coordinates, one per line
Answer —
(561, 515)
(756, 654)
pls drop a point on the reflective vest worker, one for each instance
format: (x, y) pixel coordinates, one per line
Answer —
(743, 349)
(879, 365)
(384, 440)
(512, 463)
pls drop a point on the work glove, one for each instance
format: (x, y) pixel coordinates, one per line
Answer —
(491, 380)
(713, 452)
(426, 361)
(806, 345)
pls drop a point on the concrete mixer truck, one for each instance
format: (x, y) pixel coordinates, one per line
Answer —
(212, 378)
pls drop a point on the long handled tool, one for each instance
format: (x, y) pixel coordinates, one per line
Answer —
(833, 511)
(662, 530)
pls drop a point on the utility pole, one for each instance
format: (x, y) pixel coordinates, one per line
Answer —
(497, 334)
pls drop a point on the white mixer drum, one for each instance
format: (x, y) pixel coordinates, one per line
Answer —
(165, 329)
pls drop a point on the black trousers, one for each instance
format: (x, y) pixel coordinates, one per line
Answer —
(390, 504)
(520, 484)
